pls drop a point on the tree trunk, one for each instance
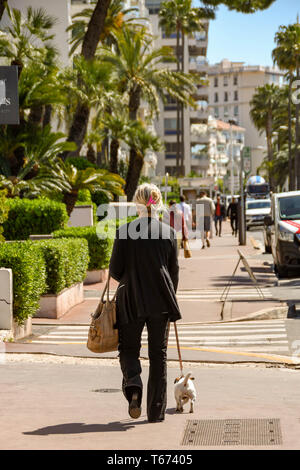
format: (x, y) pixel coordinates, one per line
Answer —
(134, 170)
(178, 107)
(70, 200)
(134, 103)
(47, 115)
(297, 153)
(114, 147)
(91, 154)
(182, 168)
(89, 46)
(78, 129)
(2, 7)
(291, 166)
(270, 148)
(36, 115)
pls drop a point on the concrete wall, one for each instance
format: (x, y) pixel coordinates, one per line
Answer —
(6, 299)
(81, 216)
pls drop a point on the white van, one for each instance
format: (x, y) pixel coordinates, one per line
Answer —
(256, 210)
(284, 231)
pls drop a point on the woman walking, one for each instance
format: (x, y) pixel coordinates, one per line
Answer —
(144, 261)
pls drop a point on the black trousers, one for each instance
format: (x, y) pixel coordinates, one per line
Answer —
(234, 224)
(129, 353)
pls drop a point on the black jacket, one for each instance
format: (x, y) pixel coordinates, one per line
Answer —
(232, 210)
(223, 210)
(144, 261)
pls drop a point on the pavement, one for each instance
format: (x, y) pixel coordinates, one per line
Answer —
(56, 394)
(67, 403)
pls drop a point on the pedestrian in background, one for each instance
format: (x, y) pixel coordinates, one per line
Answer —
(175, 218)
(208, 212)
(232, 212)
(144, 261)
(220, 215)
(186, 210)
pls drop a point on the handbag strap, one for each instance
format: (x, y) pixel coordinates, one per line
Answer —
(106, 289)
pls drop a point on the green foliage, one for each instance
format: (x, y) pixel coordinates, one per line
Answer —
(3, 212)
(98, 197)
(81, 163)
(66, 262)
(28, 217)
(99, 249)
(29, 276)
(84, 196)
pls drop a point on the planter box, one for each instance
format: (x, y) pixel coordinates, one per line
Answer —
(81, 216)
(93, 277)
(55, 306)
(20, 332)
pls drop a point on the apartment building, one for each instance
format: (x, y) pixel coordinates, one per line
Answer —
(231, 88)
(166, 125)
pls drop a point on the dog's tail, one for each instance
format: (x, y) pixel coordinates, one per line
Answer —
(186, 378)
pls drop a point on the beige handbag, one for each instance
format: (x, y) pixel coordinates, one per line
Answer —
(187, 251)
(103, 336)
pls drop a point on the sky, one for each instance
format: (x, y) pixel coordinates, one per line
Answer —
(248, 38)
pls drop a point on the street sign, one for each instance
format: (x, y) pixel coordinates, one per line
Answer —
(247, 160)
(9, 96)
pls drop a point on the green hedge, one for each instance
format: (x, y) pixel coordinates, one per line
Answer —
(29, 276)
(66, 262)
(99, 250)
(33, 217)
(3, 212)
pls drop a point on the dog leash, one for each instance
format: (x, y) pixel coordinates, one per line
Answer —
(178, 346)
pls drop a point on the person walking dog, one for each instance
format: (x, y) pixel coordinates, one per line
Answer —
(144, 261)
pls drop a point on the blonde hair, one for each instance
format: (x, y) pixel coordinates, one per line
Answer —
(143, 195)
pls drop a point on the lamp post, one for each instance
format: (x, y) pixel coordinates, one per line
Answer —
(166, 184)
(242, 225)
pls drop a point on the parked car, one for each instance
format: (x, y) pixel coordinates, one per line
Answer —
(284, 232)
(256, 210)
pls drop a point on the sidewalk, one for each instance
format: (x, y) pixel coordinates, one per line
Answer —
(58, 403)
(208, 269)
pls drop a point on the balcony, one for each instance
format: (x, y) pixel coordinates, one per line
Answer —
(198, 65)
(199, 115)
(201, 93)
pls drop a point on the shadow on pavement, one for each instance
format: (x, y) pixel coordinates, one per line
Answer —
(81, 428)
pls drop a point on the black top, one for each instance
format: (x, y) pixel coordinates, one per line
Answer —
(144, 261)
(232, 210)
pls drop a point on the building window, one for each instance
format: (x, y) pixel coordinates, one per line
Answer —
(171, 104)
(236, 110)
(171, 126)
(225, 80)
(226, 96)
(236, 96)
(216, 97)
(226, 112)
(216, 113)
(235, 80)
(216, 82)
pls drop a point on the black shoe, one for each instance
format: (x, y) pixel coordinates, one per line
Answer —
(216, 233)
(207, 242)
(134, 408)
(156, 420)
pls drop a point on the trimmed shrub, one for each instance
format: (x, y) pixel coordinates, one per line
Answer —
(3, 212)
(84, 196)
(66, 262)
(98, 197)
(33, 217)
(29, 276)
(99, 250)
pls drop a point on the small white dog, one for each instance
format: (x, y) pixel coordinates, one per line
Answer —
(184, 391)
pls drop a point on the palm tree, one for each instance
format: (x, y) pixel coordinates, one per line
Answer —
(90, 43)
(94, 79)
(24, 38)
(113, 22)
(287, 56)
(181, 17)
(66, 178)
(139, 140)
(138, 72)
(264, 104)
